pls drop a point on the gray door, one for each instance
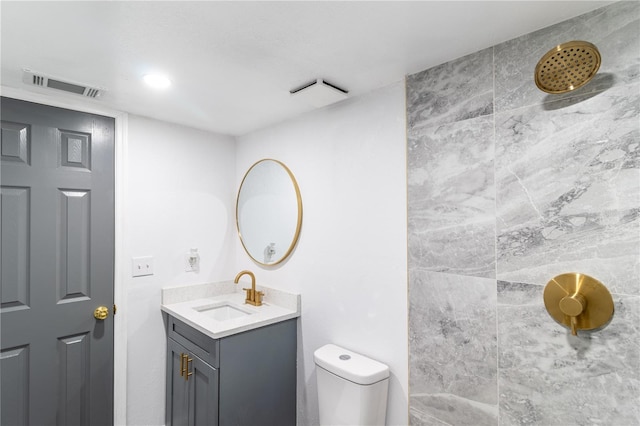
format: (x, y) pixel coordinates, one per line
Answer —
(57, 225)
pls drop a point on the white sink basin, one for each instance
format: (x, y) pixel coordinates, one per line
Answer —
(219, 310)
(222, 312)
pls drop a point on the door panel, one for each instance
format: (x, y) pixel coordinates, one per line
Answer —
(16, 142)
(73, 396)
(57, 225)
(75, 149)
(14, 364)
(74, 251)
(14, 212)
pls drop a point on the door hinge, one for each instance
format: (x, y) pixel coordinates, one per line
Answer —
(115, 308)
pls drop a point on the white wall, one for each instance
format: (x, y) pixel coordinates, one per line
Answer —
(350, 265)
(180, 194)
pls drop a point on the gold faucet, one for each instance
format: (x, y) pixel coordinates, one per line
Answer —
(253, 297)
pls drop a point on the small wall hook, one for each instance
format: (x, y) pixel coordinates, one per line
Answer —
(578, 302)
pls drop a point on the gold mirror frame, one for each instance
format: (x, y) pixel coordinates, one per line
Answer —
(298, 227)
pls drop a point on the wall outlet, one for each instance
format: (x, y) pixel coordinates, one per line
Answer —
(192, 261)
(142, 266)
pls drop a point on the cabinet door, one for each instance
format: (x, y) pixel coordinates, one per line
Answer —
(177, 387)
(203, 393)
(192, 388)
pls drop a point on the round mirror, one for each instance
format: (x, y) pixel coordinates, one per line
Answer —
(269, 212)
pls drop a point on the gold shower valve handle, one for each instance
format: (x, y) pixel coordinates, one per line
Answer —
(578, 302)
(573, 306)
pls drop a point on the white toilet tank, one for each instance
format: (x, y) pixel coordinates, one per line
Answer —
(352, 389)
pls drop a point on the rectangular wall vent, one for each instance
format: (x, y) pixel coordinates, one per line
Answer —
(41, 80)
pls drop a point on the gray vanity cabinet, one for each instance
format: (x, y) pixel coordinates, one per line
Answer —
(247, 378)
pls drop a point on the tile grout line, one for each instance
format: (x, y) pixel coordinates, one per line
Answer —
(495, 234)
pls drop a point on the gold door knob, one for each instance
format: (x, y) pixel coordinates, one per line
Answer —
(101, 313)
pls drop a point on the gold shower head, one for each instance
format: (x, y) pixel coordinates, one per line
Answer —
(567, 66)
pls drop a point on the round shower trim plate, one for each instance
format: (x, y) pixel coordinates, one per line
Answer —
(567, 67)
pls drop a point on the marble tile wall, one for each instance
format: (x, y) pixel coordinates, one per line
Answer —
(508, 187)
(456, 387)
(439, 95)
(452, 192)
(613, 29)
(568, 189)
(546, 376)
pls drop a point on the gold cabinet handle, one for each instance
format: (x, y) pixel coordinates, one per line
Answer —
(101, 313)
(184, 366)
(187, 373)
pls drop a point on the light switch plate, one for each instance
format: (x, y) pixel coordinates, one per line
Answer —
(142, 266)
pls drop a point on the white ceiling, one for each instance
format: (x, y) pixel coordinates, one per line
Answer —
(233, 63)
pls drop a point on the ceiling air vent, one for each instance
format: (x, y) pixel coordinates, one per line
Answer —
(39, 79)
(319, 93)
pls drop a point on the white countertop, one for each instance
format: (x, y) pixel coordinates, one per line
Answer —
(186, 302)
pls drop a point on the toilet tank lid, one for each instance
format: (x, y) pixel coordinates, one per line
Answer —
(350, 365)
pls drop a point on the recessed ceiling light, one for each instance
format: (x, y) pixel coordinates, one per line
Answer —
(157, 81)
